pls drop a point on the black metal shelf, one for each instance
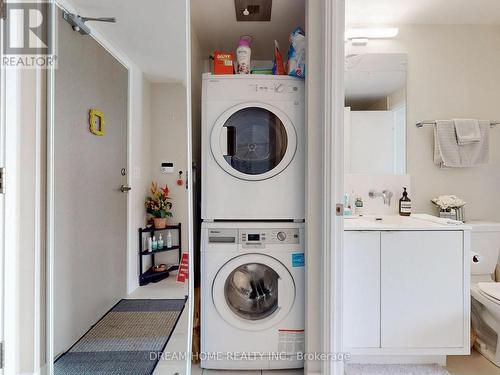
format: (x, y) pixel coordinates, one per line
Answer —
(162, 250)
(153, 229)
(150, 276)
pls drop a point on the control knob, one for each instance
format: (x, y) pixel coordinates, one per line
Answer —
(281, 236)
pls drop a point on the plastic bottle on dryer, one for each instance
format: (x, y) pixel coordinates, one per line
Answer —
(243, 55)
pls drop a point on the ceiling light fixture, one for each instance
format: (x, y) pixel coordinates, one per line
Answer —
(371, 33)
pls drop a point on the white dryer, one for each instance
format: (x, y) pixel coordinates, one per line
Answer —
(252, 147)
(252, 295)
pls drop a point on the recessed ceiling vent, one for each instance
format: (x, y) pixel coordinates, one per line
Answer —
(253, 10)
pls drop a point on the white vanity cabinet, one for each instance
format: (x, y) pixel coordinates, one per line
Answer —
(405, 292)
(361, 298)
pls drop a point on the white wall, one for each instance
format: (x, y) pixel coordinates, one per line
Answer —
(453, 71)
(169, 144)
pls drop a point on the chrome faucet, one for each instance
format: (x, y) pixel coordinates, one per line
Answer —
(386, 195)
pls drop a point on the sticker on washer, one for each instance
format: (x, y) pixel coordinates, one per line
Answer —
(291, 341)
(298, 260)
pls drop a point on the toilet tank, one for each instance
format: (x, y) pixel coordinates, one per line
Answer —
(485, 241)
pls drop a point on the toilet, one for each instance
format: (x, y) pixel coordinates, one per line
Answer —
(485, 291)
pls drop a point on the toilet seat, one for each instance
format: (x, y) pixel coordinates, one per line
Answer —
(491, 290)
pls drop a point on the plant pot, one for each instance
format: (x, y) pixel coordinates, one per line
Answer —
(160, 222)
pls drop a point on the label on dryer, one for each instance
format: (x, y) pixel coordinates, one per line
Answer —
(298, 260)
(291, 341)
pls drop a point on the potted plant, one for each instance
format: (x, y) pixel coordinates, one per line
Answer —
(159, 205)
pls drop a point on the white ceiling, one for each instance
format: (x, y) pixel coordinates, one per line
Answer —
(215, 25)
(371, 77)
(423, 12)
(151, 33)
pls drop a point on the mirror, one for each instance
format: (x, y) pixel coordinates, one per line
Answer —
(375, 114)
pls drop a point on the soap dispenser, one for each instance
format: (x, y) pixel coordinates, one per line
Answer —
(405, 204)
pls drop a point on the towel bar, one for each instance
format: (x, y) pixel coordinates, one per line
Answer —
(422, 123)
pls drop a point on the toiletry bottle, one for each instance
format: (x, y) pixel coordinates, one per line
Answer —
(405, 204)
(169, 239)
(155, 244)
(358, 206)
(150, 244)
(160, 242)
(347, 208)
(243, 54)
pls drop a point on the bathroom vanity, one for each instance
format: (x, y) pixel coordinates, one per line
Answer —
(405, 289)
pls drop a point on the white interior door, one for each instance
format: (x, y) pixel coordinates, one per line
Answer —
(90, 207)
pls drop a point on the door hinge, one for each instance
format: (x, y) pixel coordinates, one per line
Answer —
(3, 12)
(2, 180)
(339, 209)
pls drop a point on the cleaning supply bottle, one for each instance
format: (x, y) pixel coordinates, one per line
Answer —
(405, 204)
(169, 240)
(243, 54)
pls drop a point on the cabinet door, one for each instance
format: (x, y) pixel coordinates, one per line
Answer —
(422, 289)
(361, 289)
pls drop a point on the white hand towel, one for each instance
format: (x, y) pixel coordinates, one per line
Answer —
(467, 130)
(449, 154)
(446, 153)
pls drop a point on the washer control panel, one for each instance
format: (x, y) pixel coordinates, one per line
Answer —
(261, 237)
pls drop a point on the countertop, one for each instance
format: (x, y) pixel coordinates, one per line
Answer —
(404, 223)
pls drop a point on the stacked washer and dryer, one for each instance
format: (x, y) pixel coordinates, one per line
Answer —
(252, 240)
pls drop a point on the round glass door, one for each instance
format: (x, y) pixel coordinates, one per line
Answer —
(251, 291)
(253, 141)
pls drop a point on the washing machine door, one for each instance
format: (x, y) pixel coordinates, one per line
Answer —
(253, 292)
(253, 141)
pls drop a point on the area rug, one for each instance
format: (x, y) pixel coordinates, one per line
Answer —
(356, 369)
(121, 343)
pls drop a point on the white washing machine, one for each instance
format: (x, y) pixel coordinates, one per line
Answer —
(252, 148)
(252, 295)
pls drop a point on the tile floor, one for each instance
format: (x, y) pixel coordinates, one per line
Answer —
(169, 288)
(196, 370)
(475, 364)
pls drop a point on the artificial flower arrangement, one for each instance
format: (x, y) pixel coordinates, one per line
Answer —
(159, 205)
(448, 202)
(450, 206)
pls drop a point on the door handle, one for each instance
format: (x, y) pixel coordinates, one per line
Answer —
(125, 188)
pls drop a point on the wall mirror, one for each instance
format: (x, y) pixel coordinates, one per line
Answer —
(375, 113)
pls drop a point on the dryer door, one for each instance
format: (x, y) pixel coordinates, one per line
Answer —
(253, 292)
(253, 141)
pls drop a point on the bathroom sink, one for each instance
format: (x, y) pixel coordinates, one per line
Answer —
(393, 222)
